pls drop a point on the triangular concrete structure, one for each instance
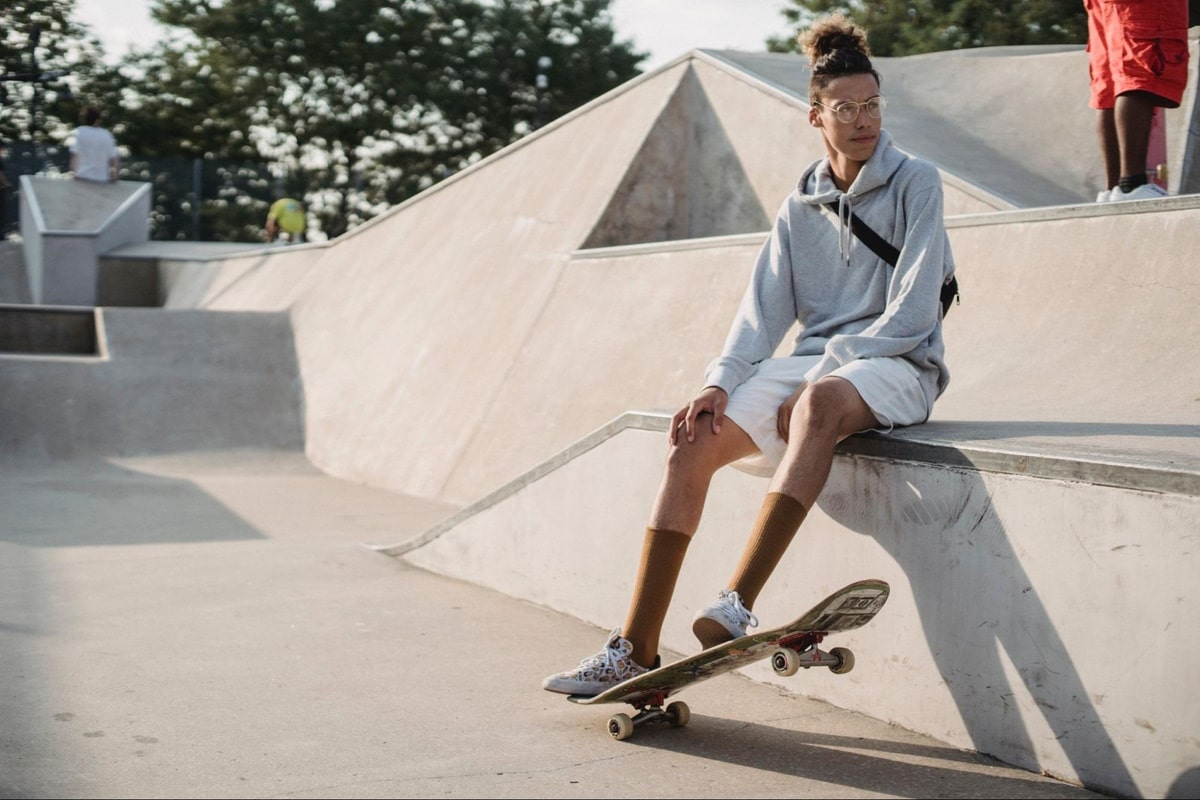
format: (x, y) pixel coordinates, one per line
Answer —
(686, 182)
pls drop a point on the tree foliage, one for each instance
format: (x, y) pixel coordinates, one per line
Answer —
(908, 27)
(357, 105)
(42, 37)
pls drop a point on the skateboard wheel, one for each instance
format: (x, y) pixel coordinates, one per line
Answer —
(845, 660)
(678, 714)
(785, 662)
(620, 726)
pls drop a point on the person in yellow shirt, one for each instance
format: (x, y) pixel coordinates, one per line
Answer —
(286, 216)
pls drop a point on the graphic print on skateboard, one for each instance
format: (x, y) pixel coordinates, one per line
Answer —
(790, 647)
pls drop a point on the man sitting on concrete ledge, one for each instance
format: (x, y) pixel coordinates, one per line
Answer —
(869, 355)
(94, 154)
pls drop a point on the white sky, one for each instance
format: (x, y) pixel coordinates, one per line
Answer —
(664, 28)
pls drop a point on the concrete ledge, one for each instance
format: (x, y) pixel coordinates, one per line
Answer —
(949, 444)
(1031, 449)
(163, 382)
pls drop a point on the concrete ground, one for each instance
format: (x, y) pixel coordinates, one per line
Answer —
(209, 626)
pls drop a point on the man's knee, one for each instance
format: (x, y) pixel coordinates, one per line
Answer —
(695, 456)
(708, 451)
(829, 403)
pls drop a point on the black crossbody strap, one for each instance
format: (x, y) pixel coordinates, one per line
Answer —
(885, 250)
(867, 235)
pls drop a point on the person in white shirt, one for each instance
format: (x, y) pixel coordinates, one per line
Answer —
(94, 154)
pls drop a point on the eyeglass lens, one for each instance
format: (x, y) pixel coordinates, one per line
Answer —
(849, 111)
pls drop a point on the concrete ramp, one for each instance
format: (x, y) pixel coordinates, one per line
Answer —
(66, 225)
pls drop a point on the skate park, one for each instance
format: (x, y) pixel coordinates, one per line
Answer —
(270, 508)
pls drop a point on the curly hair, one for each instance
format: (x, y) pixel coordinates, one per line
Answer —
(835, 47)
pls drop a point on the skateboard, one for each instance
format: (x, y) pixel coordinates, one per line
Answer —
(790, 648)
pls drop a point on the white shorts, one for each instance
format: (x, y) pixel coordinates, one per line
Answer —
(891, 388)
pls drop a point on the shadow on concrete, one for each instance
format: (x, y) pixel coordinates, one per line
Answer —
(965, 626)
(687, 181)
(93, 502)
(1186, 785)
(885, 767)
(187, 284)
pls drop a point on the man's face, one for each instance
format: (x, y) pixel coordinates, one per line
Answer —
(852, 98)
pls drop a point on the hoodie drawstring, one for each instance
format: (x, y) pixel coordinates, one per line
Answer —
(845, 212)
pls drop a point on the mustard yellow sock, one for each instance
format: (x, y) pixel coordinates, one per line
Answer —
(662, 558)
(776, 526)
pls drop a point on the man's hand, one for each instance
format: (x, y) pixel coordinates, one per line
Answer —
(710, 400)
(783, 420)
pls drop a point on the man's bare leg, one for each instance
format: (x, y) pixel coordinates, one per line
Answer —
(826, 413)
(688, 474)
(674, 519)
(1134, 115)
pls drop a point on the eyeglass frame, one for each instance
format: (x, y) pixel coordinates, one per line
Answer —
(858, 108)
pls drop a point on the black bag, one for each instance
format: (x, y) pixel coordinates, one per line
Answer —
(884, 249)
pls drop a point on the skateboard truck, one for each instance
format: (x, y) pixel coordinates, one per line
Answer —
(677, 714)
(802, 651)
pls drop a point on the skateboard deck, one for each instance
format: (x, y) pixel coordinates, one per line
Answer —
(790, 647)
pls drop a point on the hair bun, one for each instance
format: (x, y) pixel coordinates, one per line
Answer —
(836, 46)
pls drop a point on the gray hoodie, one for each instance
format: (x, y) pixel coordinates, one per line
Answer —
(850, 303)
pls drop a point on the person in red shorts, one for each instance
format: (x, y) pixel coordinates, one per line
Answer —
(1137, 60)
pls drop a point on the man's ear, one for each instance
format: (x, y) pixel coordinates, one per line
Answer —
(814, 117)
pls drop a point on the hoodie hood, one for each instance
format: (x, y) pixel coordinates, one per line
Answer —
(816, 186)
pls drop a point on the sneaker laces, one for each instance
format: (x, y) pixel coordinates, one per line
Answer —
(739, 613)
(608, 660)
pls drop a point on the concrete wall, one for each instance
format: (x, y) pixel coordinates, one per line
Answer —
(162, 382)
(66, 225)
(1045, 622)
(265, 280)
(14, 281)
(1069, 317)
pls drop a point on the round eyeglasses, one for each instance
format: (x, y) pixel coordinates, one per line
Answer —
(848, 110)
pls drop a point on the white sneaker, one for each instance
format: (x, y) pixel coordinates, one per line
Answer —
(1104, 197)
(606, 669)
(1147, 191)
(723, 621)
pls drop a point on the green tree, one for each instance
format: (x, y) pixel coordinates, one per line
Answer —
(359, 104)
(908, 27)
(173, 108)
(41, 36)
